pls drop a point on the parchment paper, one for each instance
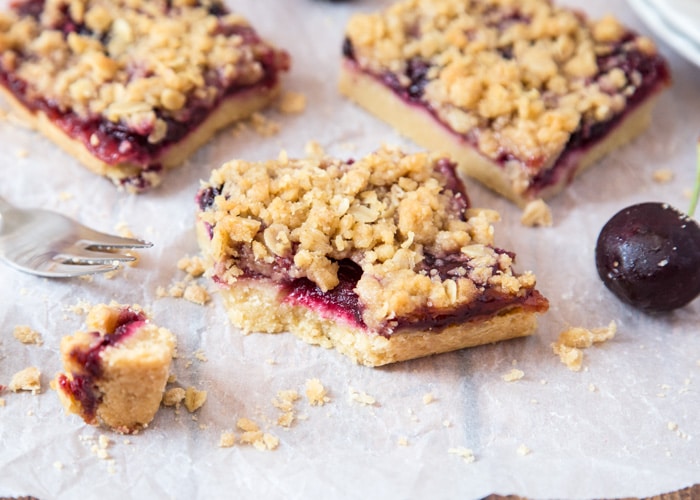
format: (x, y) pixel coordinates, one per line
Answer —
(626, 425)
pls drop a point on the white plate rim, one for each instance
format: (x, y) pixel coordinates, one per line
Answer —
(683, 45)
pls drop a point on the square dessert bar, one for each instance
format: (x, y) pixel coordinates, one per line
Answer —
(379, 257)
(133, 87)
(116, 371)
(523, 95)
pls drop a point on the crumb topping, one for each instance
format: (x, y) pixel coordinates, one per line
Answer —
(398, 216)
(143, 64)
(517, 78)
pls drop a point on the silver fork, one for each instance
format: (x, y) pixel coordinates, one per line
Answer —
(49, 244)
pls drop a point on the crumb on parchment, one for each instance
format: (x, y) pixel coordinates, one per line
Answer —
(513, 375)
(26, 335)
(361, 397)
(316, 393)
(536, 213)
(194, 399)
(28, 379)
(571, 342)
(466, 453)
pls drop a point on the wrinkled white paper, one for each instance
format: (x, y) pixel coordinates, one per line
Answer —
(626, 425)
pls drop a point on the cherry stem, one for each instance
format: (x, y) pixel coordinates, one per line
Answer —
(696, 189)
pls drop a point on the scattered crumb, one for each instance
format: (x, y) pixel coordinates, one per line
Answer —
(572, 340)
(227, 439)
(592, 388)
(316, 393)
(27, 336)
(362, 397)
(291, 102)
(314, 150)
(81, 307)
(253, 435)
(65, 196)
(672, 426)
(2, 402)
(194, 399)
(271, 361)
(28, 379)
(523, 450)
(264, 126)
(513, 375)
(22, 153)
(446, 423)
(465, 453)
(536, 213)
(100, 448)
(199, 354)
(662, 175)
(193, 266)
(196, 294)
(428, 398)
(402, 441)
(285, 402)
(174, 396)
(58, 465)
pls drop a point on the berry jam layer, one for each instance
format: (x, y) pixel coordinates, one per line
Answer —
(531, 87)
(122, 83)
(342, 303)
(82, 387)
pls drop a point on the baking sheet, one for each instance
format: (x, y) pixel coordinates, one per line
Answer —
(626, 425)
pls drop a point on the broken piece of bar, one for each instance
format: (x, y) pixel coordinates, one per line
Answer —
(132, 88)
(379, 257)
(115, 373)
(523, 95)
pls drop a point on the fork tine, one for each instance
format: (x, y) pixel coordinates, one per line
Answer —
(78, 255)
(99, 240)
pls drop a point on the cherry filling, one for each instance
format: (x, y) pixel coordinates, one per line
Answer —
(115, 143)
(649, 73)
(343, 303)
(82, 387)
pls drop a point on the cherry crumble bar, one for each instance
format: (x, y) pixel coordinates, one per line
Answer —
(115, 373)
(380, 257)
(133, 87)
(523, 94)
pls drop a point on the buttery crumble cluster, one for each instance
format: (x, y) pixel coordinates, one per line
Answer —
(386, 212)
(135, 61)
(517, 76)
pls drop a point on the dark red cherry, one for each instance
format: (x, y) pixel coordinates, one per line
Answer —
(648, 255)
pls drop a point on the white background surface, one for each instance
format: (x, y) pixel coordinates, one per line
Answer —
(610, 442)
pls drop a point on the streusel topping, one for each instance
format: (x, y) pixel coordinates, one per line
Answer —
(398, 216)
(145, 63)
(516, 77)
